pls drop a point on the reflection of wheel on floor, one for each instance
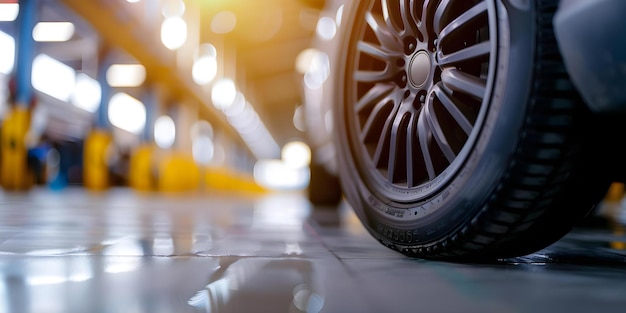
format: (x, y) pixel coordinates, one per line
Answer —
(460, 134)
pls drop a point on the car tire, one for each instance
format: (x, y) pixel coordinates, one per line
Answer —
(324, 189)
(459, 134)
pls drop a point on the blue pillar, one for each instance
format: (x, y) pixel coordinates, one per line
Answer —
(151, 102)
(102, 115)
(25, 50)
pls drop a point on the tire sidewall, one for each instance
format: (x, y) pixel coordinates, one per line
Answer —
(484, 170)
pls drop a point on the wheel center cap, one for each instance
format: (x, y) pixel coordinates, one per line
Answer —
(419, 68)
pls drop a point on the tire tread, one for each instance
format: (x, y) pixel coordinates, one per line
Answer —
(527, 200)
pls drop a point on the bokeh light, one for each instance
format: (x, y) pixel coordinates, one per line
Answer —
(224, 93)
(173, 32)
(127, 113)
(164, 132)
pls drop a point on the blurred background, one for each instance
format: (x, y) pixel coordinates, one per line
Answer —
(165, 95)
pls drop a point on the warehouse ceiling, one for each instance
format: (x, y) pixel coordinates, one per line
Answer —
(265, 42)
(260, 50)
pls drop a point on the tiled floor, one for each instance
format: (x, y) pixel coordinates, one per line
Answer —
(119, 251)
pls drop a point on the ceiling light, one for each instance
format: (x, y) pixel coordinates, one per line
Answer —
(238, 107)
(53, 31)
(224, 93)
(127, 113)
(164, 132)
(53, 78)
(304, 59)
(204, 69)
(7, 53)
(87, 93)
(126, 75)
(9, 11)
(318, 71)
(203, 149)
(296, 154)
(326, 28)
(173, 32)
(244, 119)
(275, 174)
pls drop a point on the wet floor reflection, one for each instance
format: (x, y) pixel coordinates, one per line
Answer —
(72, 251)
(270, 285)
(98, 284)
(158, 226)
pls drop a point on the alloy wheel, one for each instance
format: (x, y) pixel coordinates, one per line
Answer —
(419, 86)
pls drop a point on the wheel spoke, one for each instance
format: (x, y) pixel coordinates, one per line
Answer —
(437, 131)
(424, 134)
(377, 115)
(373, 96)
(427, 20)
(416, 15)
(382, 33)
(389, 16)
(453, 109)
(410, 23)
(441, 11)
(463, 20)
(383, 139)
(396, 145)
(386, 74)
(375, 51)
(373, 76)
(411, 146)
(414, 5)
(478, 50)
(456, 80)
(425, 6)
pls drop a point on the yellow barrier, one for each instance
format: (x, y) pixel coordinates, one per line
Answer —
(222, 179)
(178, 173)
(142, 173)
(175, 172)
(95, 160)
(13, 158)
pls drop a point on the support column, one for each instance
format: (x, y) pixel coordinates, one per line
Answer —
(98, 141)
(142, 162)
(13, 164)
(105, 58)
(186, 114)
(178, 171)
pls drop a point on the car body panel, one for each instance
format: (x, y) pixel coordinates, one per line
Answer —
(591, 37)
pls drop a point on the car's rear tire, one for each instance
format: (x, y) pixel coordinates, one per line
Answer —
(459, 133)
(324, 189)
